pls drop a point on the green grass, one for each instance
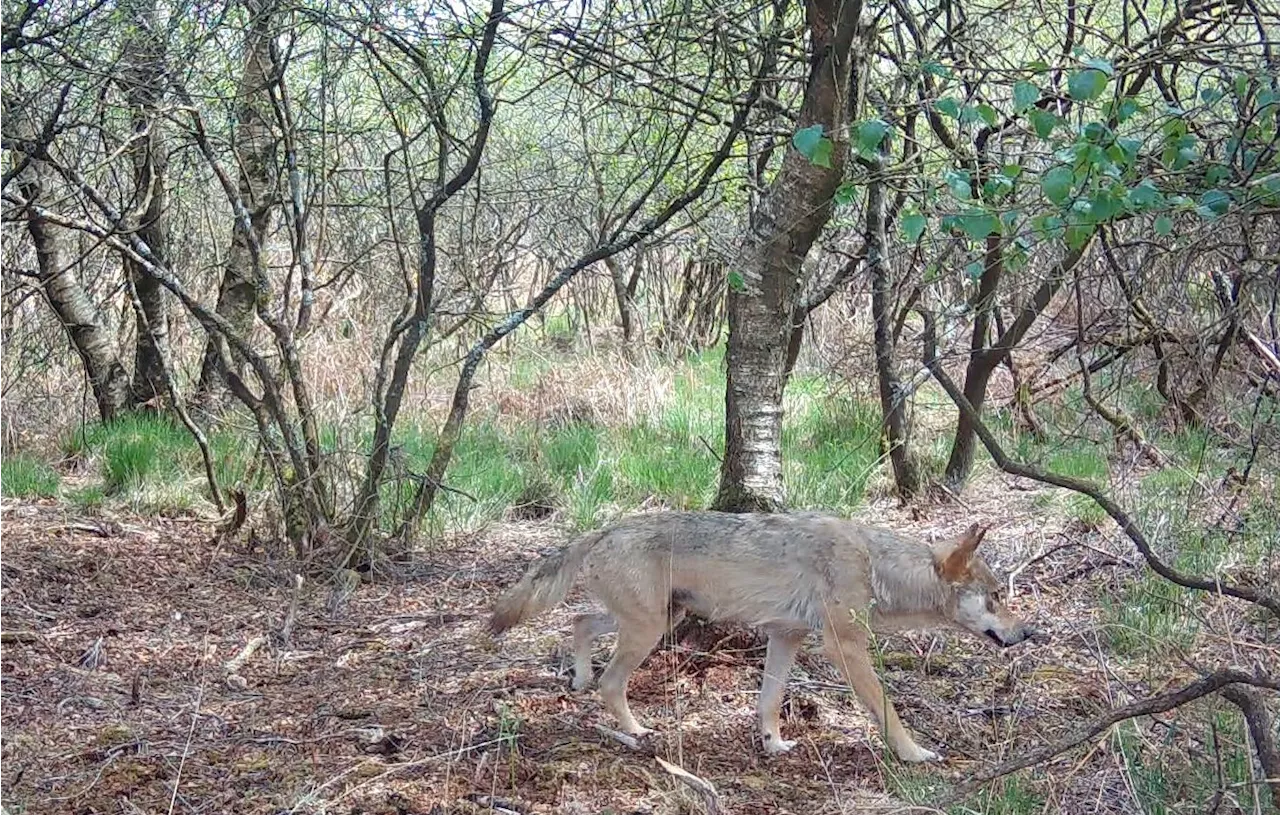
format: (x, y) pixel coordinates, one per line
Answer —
(831, 448)
(87, 498)
(132, 450)
(1011, 795)
(153, 463)
(1147, 617)
(593, 473)
(1165, 783)
(22, 476)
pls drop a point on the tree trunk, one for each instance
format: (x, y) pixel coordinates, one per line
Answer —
(624, 291)
(255, 149)
(782, 229)
(144, 79)
(892, 395)
(89, 335)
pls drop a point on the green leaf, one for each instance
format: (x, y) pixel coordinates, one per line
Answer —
(1078, 234)
(1024, 95)
(977, 223)
(996, 187)
(1216, 174)
(822, 153)
(1164, 225)
(1126, 150)
(1242, 86)
(1267, 189)
(937, 69)
(870, 134)
(974, 270)
(1097, 132)
(846, 194)
(1101, 65)
(737, 282)
(1213, 204)
(1011, 171)
(958, 182)
(913, 224)
(1037, 66)
(948, 107)
(1126, 110)
(1103, 206)
(1048, 226)
(1144, 196)
(807, 139)
(987, 113)
(1087, 84)
(1056, 184)
(1043, 121)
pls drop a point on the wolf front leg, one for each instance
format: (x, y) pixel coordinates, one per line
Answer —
(847, 647)
(778, 659)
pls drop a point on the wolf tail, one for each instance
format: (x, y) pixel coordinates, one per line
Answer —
(544, 585)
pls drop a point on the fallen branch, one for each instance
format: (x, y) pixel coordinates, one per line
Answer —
(1143, 707)
(1261, 597)
(625, 739)
(237, 662)
(699, 785)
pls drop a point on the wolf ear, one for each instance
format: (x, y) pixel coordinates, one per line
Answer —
(953, 562)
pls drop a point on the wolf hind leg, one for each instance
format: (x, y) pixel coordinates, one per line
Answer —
(586, 628)
(847, 647)
(636, 639)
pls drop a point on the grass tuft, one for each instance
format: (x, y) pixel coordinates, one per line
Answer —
(23, 476)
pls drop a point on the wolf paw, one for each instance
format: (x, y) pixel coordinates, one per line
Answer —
(581, 681)
(776, 747)
(919, 755)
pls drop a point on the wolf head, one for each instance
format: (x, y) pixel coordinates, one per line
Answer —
(976, 594)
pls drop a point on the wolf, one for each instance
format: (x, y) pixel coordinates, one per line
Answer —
(786, 574)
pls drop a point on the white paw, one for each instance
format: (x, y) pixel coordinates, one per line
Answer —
(581, 681)
(776, 747)
(640, 732)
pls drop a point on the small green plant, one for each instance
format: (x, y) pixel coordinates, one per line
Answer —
(1148, 616)
(22, 476)
(1011, 795)
(87, 498)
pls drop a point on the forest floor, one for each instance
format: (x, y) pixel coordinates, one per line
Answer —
(117, 696)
